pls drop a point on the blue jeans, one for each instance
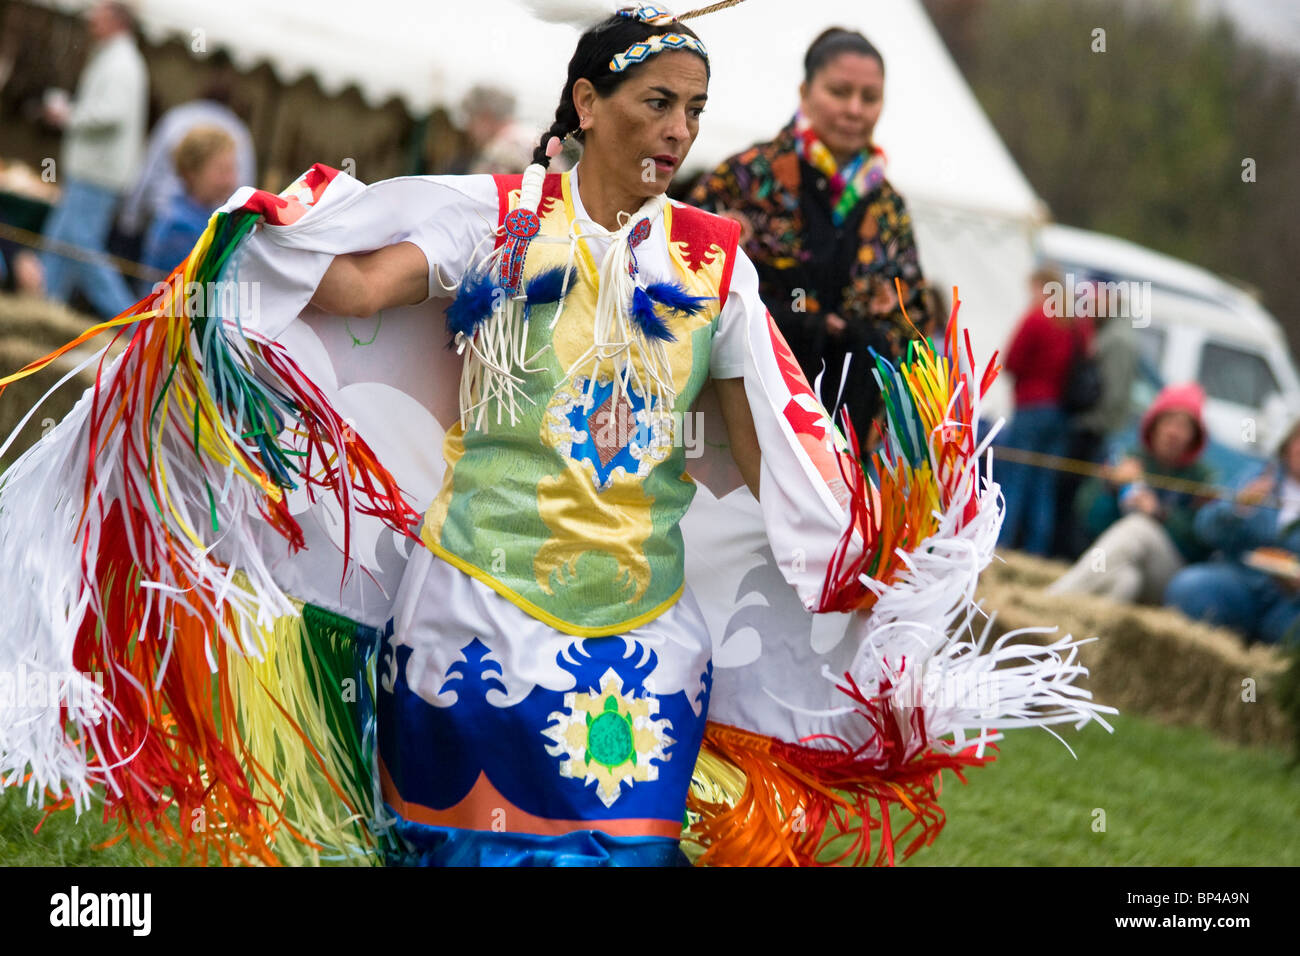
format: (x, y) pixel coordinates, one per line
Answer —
(1030, 490)
(1235, 596)
(84, 217)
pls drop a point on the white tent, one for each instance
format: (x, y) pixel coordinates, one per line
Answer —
(974, 211)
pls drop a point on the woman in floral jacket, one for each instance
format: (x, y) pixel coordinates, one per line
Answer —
(827, 232)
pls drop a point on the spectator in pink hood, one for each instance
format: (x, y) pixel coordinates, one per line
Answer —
(1143, 525)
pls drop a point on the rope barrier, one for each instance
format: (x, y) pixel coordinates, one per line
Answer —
(68, 250)
(1091, 469)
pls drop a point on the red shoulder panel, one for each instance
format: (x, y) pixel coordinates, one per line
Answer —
(551, 189)
(700, 231)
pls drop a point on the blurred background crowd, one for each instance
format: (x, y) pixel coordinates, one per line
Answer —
(1141, 293)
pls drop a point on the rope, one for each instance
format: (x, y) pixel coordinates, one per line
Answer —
(1094, 470)
(66, 249)
(711, 8)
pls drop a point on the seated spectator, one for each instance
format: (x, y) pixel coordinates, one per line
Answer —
(1254, 586)
(205, 161)
(158, 182)
(1144, 533)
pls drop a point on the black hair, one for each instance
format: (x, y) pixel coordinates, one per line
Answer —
(831, 43)
(590, 61)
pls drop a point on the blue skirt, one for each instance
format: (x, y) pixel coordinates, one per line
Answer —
(503, 741)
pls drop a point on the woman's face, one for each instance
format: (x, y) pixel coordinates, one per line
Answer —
(843, 102)
(1172, 436)
(640, 134)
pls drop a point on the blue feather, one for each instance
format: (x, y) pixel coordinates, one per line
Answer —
(674, 296)
(545, 287)
(473, 303)
(647, 319)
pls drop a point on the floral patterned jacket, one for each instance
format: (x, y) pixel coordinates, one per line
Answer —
(763, 184)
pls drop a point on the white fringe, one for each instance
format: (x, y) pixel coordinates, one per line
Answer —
(494, 357)
(42, 536)
(921, 648)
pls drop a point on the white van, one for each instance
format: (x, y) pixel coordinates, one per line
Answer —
(1196, 327)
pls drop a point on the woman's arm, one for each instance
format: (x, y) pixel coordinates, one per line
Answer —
(363, 283)
(1234, 525)
(804, 490)
(740, 429)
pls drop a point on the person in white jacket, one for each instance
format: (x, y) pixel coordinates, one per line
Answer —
(103, 140)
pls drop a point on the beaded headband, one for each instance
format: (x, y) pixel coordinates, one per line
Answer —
(656, 44)
(640, 51)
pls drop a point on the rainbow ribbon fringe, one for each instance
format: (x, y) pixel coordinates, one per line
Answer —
(906, 565)
(181, 453)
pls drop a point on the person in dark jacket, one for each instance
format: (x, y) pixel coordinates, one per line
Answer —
(1115, 349)
(825, 229)
(1038, 358)
(1253, 586)
(1144, 531)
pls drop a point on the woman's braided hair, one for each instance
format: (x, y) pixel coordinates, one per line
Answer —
(590, 61)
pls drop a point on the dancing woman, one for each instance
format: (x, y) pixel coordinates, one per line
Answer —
(538, 685)
(554, 547)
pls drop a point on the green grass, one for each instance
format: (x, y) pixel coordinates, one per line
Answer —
(63, 840)
(1171, 796)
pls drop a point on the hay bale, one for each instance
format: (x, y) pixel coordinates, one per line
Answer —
(1150, 661)
(29, 329)
(39, 321)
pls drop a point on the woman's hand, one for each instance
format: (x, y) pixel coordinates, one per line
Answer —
(363, 283)
(740, 429)
(1256, 491)
(1126, 472)
(1145, 501)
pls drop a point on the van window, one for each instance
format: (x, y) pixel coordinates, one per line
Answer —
(1151, 344)
(1146, 386)
(1236, 375)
